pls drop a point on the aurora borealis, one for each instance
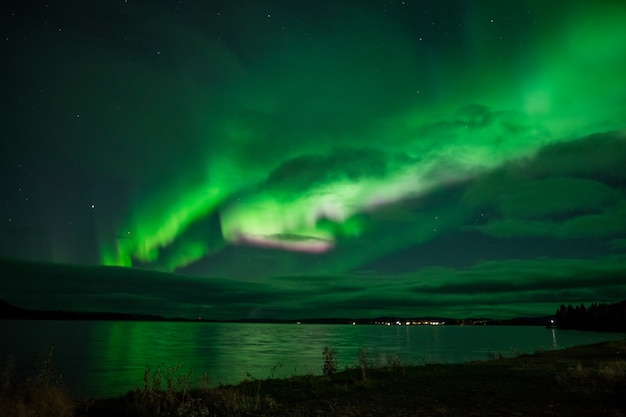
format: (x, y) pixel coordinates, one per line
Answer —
(316, 158)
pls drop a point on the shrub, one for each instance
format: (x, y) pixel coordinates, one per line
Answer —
(330, 361)
(166, 393)
(364, 362)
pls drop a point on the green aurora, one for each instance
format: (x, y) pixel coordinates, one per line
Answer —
(361, 158)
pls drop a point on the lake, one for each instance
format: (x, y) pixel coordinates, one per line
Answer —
(108, 358)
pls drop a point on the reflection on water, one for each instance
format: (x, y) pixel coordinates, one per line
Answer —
(109, 358)
(554, 344)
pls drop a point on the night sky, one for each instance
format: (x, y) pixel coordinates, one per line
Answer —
(293, 159)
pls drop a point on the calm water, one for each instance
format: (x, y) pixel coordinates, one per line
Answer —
(108, 358)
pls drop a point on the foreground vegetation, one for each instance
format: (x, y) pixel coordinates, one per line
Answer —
(581, 381)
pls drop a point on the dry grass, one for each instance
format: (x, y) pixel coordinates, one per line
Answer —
(39, 395)
(592, 378)
(166, 392)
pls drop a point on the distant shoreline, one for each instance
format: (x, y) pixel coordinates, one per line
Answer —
(11, 312)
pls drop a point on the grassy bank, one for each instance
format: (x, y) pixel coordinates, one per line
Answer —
(580, 381)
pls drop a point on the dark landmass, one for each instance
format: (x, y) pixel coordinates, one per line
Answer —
(11, 312)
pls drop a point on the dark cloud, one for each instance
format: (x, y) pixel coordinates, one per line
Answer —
(600, 157)
(478, 127)
(618, 244)
(567, 190)
(555, 197)
(146, 291)
(475, 115)
(340, 165)
(533, 282)
(514, 284)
